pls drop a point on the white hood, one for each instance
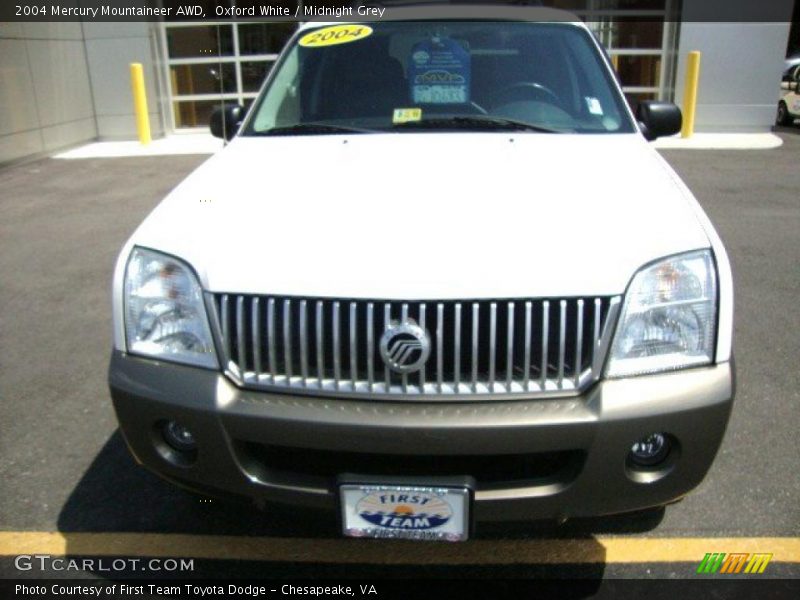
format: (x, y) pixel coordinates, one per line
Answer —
(426, 216)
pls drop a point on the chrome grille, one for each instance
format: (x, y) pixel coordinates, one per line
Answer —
(483, 347)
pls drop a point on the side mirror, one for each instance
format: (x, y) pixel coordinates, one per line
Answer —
(658, 119)
(225, 121)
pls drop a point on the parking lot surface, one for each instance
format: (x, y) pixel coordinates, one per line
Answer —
(65, 467)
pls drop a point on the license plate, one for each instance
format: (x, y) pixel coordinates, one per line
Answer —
(405, 512)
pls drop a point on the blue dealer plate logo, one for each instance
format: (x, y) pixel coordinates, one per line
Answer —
(408, 511)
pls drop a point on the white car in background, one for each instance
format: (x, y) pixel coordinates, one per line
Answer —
(789, 104)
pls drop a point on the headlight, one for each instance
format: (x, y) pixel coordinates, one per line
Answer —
(669, 317)
(164, 312)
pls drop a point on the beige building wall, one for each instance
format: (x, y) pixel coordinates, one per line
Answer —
(45, 89)
(110, 49)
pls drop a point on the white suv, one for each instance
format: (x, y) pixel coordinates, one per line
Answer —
(438, 277)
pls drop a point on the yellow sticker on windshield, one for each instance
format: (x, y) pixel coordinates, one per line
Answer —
(337, 34)
(406, 115)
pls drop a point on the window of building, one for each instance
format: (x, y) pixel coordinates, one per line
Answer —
(219, 62)
(640, 37)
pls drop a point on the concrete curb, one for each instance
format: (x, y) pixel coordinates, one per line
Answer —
(191, 143)
(721, 141)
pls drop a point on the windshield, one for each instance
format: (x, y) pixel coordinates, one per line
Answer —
(447, 76)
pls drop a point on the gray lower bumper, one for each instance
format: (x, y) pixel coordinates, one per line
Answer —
(575, 448)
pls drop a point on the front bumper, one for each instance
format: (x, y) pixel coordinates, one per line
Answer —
(529, 459)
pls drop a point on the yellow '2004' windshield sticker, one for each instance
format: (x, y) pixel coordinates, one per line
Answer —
(336, 34)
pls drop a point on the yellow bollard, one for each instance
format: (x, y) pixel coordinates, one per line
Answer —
(690, 93)
(140, 103)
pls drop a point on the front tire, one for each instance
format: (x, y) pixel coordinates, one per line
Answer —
(783, 117)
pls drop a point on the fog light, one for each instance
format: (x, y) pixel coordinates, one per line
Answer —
(179, 437)
(651, 450)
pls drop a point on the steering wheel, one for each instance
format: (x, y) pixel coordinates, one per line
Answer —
(525, 89)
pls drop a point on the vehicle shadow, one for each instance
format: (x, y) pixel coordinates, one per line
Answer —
(117, 496)
(791, 129)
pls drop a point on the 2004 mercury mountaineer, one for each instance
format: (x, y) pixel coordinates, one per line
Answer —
(438, 277)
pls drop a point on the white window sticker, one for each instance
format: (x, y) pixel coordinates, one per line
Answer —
(593, 104)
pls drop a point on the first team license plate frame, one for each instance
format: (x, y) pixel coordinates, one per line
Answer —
(365, 511)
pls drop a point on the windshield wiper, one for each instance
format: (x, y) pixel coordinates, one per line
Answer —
(476, 122)
(311, 129)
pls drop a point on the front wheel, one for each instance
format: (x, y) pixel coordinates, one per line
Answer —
(783, 117)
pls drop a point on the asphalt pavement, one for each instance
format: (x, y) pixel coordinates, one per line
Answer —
(65, 468)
